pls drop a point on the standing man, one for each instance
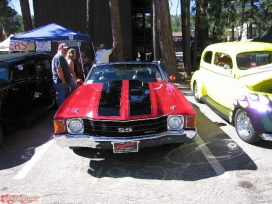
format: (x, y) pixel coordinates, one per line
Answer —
(102, 55)
(62, 78)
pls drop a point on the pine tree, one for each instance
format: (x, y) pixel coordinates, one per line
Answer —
(26, 15)
(166, 39)
(116, 29)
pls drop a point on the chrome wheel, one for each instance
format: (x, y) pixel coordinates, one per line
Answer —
(244, 127)
(196, 93)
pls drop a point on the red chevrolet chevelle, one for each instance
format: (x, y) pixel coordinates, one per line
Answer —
(125, 106)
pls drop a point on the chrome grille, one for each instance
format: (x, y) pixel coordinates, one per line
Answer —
(125, 128)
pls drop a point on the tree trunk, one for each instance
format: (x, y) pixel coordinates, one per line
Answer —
(26, 15)
(251, 16)
(90, 26)
(203, 25)
(195, 53)
(166, 39)
(242, 20)
(186, 37)
(217, 30)
(116, 29)
(156, 50)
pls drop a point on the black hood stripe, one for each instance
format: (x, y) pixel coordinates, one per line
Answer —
(139, 98)
(109, 104)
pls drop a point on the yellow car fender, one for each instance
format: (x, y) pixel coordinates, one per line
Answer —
(198, 78)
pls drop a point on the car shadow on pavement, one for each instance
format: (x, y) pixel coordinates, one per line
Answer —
(264, 144)
(188, 92)
(19, 145)
(175, 161)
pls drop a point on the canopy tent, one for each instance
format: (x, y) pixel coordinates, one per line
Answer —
(4, 46)
(13, 45)
(265, 37)
(52, 32)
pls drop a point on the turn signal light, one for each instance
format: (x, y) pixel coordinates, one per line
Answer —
(191, 122)
(59, 126)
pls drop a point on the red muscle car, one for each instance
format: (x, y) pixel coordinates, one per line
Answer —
(125, 106)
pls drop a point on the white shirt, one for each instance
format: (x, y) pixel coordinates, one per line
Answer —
(102, 56)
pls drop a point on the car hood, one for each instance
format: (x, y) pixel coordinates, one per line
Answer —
(256, 75)
(125, 100)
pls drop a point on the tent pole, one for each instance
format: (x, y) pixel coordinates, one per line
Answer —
(81, 61)
(93, 49)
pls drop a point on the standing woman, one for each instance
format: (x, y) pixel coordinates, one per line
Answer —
(70, 57)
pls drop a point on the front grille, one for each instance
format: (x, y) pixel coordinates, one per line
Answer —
(123, 128)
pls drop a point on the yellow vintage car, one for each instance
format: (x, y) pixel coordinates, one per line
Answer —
(235, 80)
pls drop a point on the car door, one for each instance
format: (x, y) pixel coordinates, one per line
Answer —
(44, 75)
(220, 80)
(22, 89)
(208, 74)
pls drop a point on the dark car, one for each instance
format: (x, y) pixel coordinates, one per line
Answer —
(125, 106)
(26, 88)
(180, 62)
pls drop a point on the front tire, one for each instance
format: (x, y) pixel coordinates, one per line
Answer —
(196, 93)
(244, 127)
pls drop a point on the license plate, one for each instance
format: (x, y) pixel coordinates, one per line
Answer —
(125, 147)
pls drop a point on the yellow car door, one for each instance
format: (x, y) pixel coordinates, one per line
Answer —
(221, 80)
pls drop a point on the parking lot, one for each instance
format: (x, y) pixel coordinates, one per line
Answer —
(217, 167)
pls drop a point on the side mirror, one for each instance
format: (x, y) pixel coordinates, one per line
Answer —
(79, 82)
(172, 77)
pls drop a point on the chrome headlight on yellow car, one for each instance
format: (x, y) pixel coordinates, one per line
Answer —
(175, 122)
(75, 125)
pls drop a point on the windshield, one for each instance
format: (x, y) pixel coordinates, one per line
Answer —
(142, 72)
(248, 60)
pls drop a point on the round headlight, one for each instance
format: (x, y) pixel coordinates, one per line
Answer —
(75, 125)
(175, 122)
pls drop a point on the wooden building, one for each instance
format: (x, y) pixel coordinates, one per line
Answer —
(135, 22)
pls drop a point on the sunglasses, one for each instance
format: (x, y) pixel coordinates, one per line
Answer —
(65, 50)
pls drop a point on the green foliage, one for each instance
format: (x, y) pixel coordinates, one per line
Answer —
(17, 24)
(260, 14)
(176, 23)
(11, 22)
(223, 16)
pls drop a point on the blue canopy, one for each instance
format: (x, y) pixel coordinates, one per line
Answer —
(52, 32)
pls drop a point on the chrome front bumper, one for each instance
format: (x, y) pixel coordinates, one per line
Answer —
(102, 142)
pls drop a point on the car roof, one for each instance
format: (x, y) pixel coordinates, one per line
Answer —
(127, 62)
(237, 47)
(19, 56)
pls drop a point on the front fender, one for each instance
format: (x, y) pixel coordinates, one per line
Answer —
(198, 78)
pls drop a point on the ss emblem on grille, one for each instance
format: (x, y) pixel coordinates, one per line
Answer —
(127, 129)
